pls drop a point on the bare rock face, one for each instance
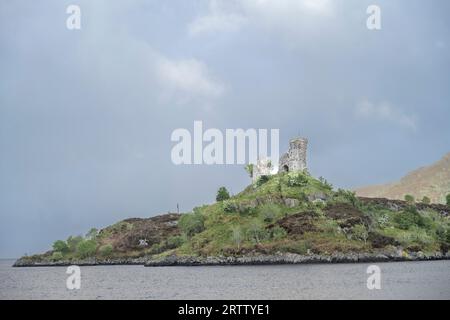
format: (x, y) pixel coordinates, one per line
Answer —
(291, 202)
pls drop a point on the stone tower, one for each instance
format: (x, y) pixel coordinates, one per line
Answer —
(295, 158)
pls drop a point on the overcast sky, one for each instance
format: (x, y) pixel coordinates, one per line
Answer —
(86, 115)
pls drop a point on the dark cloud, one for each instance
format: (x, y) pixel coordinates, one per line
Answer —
(86, 116)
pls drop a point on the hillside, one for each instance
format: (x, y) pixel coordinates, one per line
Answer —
(432, 181)
(287, 213)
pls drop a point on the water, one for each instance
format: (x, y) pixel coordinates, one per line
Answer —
(399, 280)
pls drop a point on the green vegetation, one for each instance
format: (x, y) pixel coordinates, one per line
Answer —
(57, 256)
(447, 199)
(175, 241)
(222, 194)
(409, 198)
(426, 200)
(73, 242)
(407, 218)
(86, 248)
(106, 250)
(261, 180)
(92, 234)
(60, 246)
(192, 223)
(249, 169)
(287, 212)
(360, 232)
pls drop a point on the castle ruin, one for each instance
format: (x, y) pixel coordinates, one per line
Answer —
(293, 160)
(263, 167)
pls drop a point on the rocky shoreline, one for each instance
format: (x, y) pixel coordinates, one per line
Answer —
(258, 259)
(84, 262)
(291, 258)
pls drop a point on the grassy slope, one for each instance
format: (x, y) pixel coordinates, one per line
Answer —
(291, 212)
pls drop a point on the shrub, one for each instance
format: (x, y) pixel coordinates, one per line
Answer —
(249, 169)
(121, 227)
(60, 246)
(192, 223)
(222, 194)
(409, 198)
(56, 256)
(261, 180)
(420, 237)
(447, 199)
(299, 247)
(86, 248)
(278, 233)
(73, 242)
(175, 241)
(230, 206)
(330, 227)
(255, 232)
(297, 179)
(236, 236)
(408, 218)
(106, 250)
(325, 184)
(360, 232)
(344, 196)
(269, 212)
(426, 200)
(156, 248)
(383, 221)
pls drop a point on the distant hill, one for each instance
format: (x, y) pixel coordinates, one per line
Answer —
(432, 181)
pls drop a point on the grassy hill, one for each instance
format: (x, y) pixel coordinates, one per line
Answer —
(431, 181)
(283, 213)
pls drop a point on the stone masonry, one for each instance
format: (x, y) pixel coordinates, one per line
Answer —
(295, 158)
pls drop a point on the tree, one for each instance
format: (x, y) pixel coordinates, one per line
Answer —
(73, 242)
(249, 169)
(92, 234)
(408, 218)
(447, 198)
(191, 223)
(106, 250)
(426, 200)
(86, 248)
(360, 232)
(56, 256)
(222, 194)
(60, 246)
(409, 198)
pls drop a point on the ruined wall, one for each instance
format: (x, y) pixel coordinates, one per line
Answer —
(295, 158)
(261, 168)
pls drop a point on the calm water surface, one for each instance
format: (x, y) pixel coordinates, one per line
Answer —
(402, 280)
